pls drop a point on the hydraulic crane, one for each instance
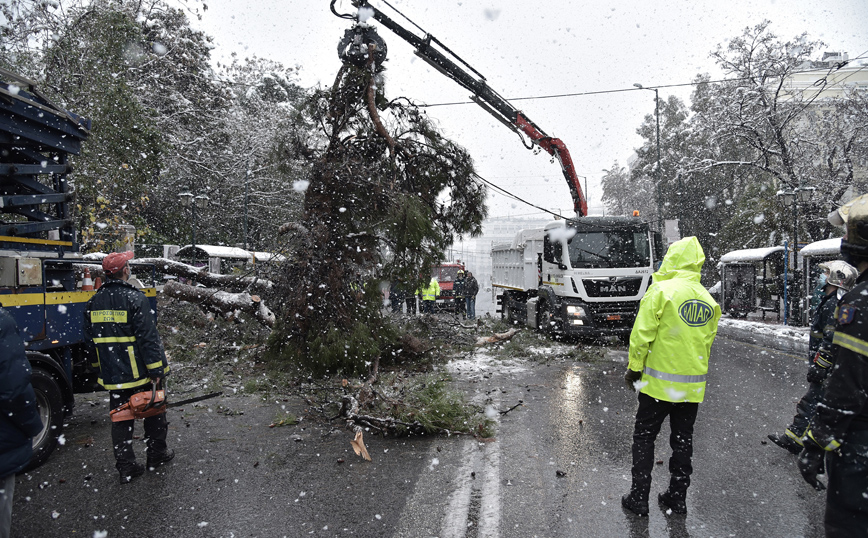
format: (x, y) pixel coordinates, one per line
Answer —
(353, 48)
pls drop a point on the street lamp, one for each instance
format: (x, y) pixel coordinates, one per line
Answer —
(188, 199)
(657, 171)
(792, 199)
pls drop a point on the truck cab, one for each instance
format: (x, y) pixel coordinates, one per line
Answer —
(581, 277)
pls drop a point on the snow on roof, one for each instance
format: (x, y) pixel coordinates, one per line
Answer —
(268, 256)
(826, 247)
(217, 251)
(749, 254)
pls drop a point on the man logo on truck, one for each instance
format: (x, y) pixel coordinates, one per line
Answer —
(695, 313)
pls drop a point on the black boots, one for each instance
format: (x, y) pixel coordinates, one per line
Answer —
(676, 503)
(668, 500)
(786, 442)
(128, 471)
(634, 504)
(155, 460)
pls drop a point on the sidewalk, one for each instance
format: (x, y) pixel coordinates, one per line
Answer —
(768, 333)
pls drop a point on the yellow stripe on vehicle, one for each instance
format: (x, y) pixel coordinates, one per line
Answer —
(22, 299)
(554, 283)
(10, 239)
(850, 342)
(506, 287)
(66, 297)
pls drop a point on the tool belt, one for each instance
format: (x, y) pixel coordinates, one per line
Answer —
(141, 405)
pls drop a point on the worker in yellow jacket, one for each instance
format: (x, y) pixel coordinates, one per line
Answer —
(669, 350)
(429, 295)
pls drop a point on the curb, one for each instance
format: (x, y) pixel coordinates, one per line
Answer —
(779, 337)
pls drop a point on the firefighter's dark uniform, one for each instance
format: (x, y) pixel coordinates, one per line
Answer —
(823, 326)
(122, 331)
(840, 425)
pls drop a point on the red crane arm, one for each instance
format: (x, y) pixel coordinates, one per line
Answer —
(557, 148)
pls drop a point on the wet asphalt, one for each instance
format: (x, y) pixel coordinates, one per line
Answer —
(557, 467)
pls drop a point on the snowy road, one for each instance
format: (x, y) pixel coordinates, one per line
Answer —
(558, 466)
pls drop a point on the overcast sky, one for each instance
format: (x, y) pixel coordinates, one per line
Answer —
(530, 50)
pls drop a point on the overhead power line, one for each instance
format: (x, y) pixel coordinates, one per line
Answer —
(662, 86)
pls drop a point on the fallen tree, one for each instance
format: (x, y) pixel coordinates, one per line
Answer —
(222, 302)
(199, 274)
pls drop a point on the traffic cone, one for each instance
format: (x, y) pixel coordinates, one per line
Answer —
(87, 283)
(97, 283)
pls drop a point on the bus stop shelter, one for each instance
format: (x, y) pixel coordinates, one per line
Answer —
(750, 281)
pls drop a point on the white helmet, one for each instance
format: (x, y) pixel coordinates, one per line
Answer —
(841, 274)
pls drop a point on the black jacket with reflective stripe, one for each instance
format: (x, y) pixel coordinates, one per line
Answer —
(844, 405)
(121, 329)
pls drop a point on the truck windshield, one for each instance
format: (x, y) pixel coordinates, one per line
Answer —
(608, 249)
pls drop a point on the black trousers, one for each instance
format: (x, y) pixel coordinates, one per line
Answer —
(806, 408)
(156, 430)
(649, 420)
(847, 494)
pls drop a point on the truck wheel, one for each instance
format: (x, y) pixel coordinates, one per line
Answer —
(549, 324)
(49, 401)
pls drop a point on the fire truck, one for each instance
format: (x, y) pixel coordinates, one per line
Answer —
(446, 275)
(580, 276)
(44, 279)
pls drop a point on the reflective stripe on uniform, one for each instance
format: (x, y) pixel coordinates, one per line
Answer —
(850, 342)
(833, 444)
(816, 334)
(154, 365)
(119, 386)
(132, 354)
(114, 339)
(675, 378)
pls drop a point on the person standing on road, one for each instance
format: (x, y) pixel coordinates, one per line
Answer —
(19, 416)
(429, 296)
(840, 277)
(471, 288)
(668, 361)
(121, 331)
(838, 432)
(458, 294)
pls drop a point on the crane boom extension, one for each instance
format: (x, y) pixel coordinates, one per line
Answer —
(488, 99)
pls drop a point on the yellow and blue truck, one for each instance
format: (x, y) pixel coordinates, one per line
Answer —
(42, 271)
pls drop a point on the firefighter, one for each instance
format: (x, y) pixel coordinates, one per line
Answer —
(838, 432)
(668, 362)
(458, 291)
(122, 335)
(840, 277)
(429, 296)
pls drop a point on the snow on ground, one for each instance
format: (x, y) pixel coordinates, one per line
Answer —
(482, 362)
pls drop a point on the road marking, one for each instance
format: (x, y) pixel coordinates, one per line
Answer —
(476, 499)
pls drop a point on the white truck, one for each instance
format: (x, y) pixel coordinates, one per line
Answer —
(577, 277)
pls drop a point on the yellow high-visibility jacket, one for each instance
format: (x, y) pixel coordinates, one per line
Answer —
(431, 291)
(675, 327)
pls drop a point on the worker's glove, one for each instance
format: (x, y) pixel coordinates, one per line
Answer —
(811, 464)
(817, 374)
(631, 377)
